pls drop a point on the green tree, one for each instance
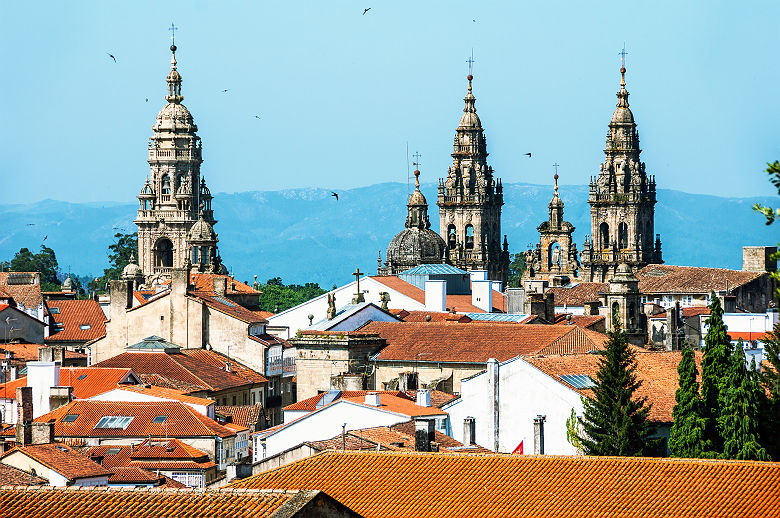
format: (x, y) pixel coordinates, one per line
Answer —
(770, 379)
(277, 296)
(516, 269)
(44, 261)
(773, 170)
(740, 411)
(714, 376)
(615, 421)
(687, 435)
(119, 253)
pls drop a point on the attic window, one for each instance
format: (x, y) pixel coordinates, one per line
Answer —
(579, 381)
(82, 377)
(54, 311)
(113, 451)
(115, 422)
(84, 327)
(160, 419)
(70, 418)
(62, 448)
(60, 325)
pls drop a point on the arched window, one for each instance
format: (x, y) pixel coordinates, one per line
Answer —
(622, 236)
(631, 314)
(615, 312)
(452, 237)
(164, 253)
(166, 184)
(469, 236)
(195, 255)
(604, 234)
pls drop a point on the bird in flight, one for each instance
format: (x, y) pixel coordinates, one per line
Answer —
(335, 194)
(147, 99)
(366, 10)
(44, 237)
(111, 56)
(529, 155)
(257, 116)
(225, 90)
(30, 224)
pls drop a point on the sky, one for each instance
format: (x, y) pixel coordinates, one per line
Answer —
(340, 94)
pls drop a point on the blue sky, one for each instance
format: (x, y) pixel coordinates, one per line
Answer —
(340, 93)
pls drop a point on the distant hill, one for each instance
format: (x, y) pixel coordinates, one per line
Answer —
(306, 235)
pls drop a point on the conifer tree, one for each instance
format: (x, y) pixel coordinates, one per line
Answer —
(714, 375)
(687, 435)
(614, 421)
(770, 378)
(740, 410)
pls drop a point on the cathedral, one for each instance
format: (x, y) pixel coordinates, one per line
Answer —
(175, 220)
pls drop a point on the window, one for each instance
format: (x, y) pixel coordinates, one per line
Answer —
(469, 236)
(224, 401)
(451, 237)
(54, 311)
(234, 400)
(114, 422)
(112, 451)
(166, 184)
(622, 236)
(70, 418)
(84, 327)
(604, 235)
(160, 419)
(59, 325)
(82, 376)
(579, 381)
(245, 398)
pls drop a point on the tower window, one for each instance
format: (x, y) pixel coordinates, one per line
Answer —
(604, 234)
(469, 236)
(451, 237)
(166, 184)
(622, 236)
(164, 253)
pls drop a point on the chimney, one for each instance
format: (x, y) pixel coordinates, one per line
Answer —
(759, 258)
(469, 432)
(24, 402)
(436, 296)
(478, 275)
(515, 300)
(372, 399)
(424, 434)
(482, 295)
(220, 285)
(41, 377)
(180, 281)
(60, 396)
(493, 402)
(42, 433)
(549, 307)
(539, 434)
(121, 293)
(423, 397)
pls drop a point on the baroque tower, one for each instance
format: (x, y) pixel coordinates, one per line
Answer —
(470, 201)
(622, 202)
(175, 220)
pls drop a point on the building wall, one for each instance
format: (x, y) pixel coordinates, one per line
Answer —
(20, 326)
(284, 458)
(230, 336)
(427, 372)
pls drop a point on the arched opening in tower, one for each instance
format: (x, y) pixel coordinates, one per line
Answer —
(604, 234)
(554, 256)
(622, 236)
(469, 236)
(163, 253)
(452, 237)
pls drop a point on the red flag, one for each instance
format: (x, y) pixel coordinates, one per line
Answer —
(519, 449)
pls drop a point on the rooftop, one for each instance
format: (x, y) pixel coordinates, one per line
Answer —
(579, 294)
(86, 381)
(61, 458)
(76, 320)
(151, 454)
(461, 303)
(10, 476)
(22, 286)
(665, 278)
(523, 485)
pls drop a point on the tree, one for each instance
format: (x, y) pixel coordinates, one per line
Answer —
(687, 435)
(770, 379)
(714, 376)
(740, 410)
(516, 269)
(119, 253)
(277, 296)
(773, 170)
(614, 421)
(44, 262)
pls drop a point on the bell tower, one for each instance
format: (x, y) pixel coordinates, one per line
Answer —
(622, 202)
(175, 195)
(470, 201)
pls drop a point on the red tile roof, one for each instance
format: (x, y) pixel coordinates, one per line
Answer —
(687, 312)
(580, 294)
(142, 476)
(157, 454)
(434, 485)
(86, 381)
(244, 415)
(167, 393)
(748, 336)
(10, 476)
(439, 341)
(429, 316)
(656, 370)
(310, 404)
(74, 315)
(438, 398)
(666, 278)
(28, 295)
(461, 303)
(108, 502)
(584, 321)
(218, 360)
(231, 308)
(182, 420)
(398, 405)
(205, 282)
(63, 459)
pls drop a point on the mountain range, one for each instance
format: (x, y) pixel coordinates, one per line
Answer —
(307, 235)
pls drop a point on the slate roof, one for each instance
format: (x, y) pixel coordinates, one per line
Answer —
(439, 341)
(665, 278)
(61, 458)
(106, 502)
(656, 370)
(182, 421)
(433, 485)
(580, 294)
(28, 295)
(75, 314)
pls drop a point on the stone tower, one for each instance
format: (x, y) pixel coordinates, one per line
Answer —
(622, 202)
(175, 196)
(555, 257)
(417, 243)
(470, 201)
(624, 305)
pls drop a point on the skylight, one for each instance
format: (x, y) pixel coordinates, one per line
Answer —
(82, 377)
(54, 311)
(579, 381)
(160, 419)
(225, 301)
(84, 327)
(70, 418)
(113, 451)
(115, 422)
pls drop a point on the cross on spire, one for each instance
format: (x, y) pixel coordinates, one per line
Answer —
(555, 165)
(173, 30)
(470, 61)
(623, 54)
(416, 162)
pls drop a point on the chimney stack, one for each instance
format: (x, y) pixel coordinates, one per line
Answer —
(423, 397)
(24, 402)
(469, 432)
(436, 296)
(424, 434)
(220, 285)
(539, 434)
(372, 399)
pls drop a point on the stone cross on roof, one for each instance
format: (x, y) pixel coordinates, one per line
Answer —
(358, 298)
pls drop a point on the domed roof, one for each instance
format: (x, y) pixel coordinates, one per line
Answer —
(174, 116)
(132, 271)
(202, 231)
(413, 246)
(623, 269)
(622, 115)
(68, 282)
(470, 120)
(417, 197)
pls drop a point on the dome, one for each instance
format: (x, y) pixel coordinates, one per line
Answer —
(413, 246)
(417, 198)
(174, 116)
(132, 271)
(202, 231)
(68, 283)
(623, 115)
(470, 120)
(623, 269)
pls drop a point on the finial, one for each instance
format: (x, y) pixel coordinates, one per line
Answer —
(417, 179)
(470, 61)
(555, 176)
(173, 30)
(623, 65)
(416, 165)
(132, 257)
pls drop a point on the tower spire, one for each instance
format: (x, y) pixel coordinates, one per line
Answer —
(174, 78)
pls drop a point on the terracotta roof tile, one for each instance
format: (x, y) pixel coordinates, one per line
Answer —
(438, 398)
(584, 321)
(10, 476)
(63, 459)
(182, 420)
(579, 294)
(218, 360)
(426, 485)
(167, 393)
(398, 405)
(205, 282)
(310, 404)
(142, 476)
(159, 453)
(461, 303)
(687, 312)
(105, 502)
(438, 341)
(24, 293)
(231, 308)
(656, 370)
(86, 381)
(665, 278)
(244, 415)
(75, 315)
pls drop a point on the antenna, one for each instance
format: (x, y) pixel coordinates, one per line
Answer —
(408, 174)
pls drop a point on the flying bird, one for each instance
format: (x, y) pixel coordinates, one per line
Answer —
(111, 56)
(30, 224)
(225, 90)
(257, 116)
(529, 155)
(366, 10)
(335, 194)
(147, 99)
(44, 237)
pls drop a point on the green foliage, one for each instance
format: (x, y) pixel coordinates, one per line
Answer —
(516, 268)
(741, 403)
(615, 422)
(277, 297)
(770, 379)
(119, 254)
(574, 431)
(44, 261)
(773, 170)
(715, 369)
(687, 435)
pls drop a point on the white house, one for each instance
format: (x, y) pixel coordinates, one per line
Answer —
(151, 393)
